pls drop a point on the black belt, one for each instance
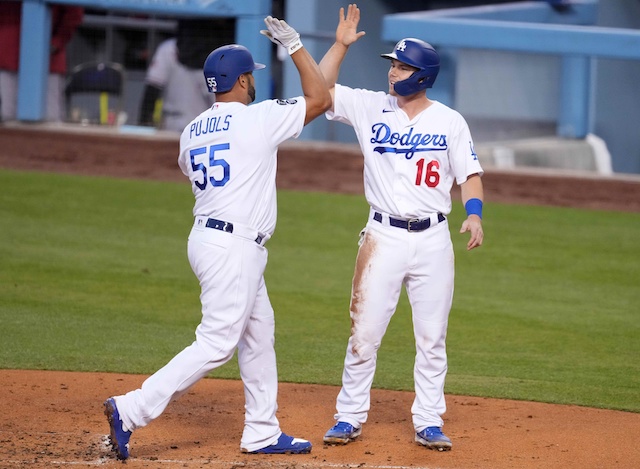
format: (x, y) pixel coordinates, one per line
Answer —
(226, 227)
(410, 225)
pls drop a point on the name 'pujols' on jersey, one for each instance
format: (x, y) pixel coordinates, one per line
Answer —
(209, 125)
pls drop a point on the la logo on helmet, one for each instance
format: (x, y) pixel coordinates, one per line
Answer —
(401, 46)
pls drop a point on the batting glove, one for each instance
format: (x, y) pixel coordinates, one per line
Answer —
(279, 32)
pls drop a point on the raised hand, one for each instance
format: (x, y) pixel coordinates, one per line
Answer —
(279, 32)
(346, 32)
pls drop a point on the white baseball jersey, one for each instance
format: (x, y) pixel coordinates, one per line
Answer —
(409, 165)
(184, 91)
(409, 169)
(229, 154)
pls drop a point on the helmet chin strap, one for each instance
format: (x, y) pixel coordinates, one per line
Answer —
(406, 87)
(420, 55)
(418, 81)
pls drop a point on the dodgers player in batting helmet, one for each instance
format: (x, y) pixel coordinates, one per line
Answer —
(423, 57)
(414, 149)
(229, 154)
(225, 64)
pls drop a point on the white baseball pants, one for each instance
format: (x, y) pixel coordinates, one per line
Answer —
(388, 258)
(236, 313)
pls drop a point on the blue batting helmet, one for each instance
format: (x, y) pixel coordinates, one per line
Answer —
(225, 64)
(418, 54)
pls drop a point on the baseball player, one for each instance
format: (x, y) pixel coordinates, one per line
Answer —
(229, 154)
(184, 95)
(414, 148)
(175, 73)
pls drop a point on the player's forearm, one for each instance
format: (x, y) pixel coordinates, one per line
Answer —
(314, 86)
(331, 62)
(346, 34)
(472, 194)
(472, 189)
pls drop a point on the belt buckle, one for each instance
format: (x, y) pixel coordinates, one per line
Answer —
(412, 220)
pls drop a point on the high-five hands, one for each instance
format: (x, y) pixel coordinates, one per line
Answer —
(346, 32)
(279, 32)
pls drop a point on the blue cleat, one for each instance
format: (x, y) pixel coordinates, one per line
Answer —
(342, 433)
(118, 437)
(285, 445)
(433, 438)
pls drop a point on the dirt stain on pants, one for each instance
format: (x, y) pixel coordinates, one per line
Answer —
(364, 260)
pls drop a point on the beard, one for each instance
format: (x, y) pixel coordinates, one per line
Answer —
(252, 92)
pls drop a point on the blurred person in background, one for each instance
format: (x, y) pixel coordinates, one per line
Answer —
(174, 91)
(64, 23)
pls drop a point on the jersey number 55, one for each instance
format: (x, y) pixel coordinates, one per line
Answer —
(213, 162)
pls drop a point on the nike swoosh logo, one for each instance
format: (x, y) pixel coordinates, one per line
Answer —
(387, 110)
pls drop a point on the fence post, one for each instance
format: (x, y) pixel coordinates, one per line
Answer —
(575, 97)
(33, 68)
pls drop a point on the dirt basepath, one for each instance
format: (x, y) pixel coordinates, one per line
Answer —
(54, 419)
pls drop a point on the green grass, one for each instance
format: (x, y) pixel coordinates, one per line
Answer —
(94, 277)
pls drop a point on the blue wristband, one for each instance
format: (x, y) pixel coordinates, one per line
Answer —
(474, 207)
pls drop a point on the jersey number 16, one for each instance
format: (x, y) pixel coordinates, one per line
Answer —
(431, 176)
